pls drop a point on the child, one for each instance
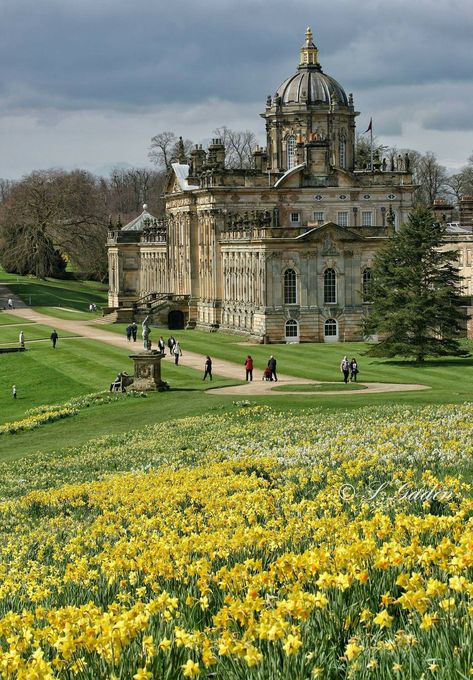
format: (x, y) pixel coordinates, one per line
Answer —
(268, 374)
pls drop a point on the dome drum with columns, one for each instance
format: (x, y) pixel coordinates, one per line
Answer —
(280, 252)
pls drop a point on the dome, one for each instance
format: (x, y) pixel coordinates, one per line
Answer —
(310, 85)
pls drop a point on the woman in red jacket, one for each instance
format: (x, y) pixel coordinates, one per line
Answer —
(249, 368)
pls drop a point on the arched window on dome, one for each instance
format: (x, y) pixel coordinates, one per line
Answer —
(291, 151)
(367, 284)
(290, 287)
(343, 154)
(330, 287)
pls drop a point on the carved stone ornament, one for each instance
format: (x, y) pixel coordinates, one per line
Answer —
(329, 246)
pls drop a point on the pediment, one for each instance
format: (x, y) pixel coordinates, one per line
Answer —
(330, 231)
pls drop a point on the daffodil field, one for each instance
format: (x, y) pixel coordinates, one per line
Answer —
(251, 545)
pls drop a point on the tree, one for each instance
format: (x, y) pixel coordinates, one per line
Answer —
(416, 293)
(50, 215)
(429, 175)
(164, 149)
(239, 146)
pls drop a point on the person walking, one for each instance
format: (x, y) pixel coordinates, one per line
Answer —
(354, 370)
(13, 391)
(128, 333)
(208, 368)
(345, 369)
(161, 345)
(171, 343)
(272, 368)
(54, 338)
(134, 330)
(21, 339)
(177, 351)
(249, 368)
(10, 303)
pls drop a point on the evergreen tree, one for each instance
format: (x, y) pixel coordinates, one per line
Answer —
(415, 292)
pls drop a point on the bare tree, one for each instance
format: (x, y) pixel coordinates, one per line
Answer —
(49, 215)
(429, 175)
(165, 148)
(6, 186)
(239, 146)
(128, 189)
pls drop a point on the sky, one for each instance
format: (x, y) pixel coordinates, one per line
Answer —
(87, 83)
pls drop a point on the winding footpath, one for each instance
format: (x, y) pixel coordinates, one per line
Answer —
(226, 369)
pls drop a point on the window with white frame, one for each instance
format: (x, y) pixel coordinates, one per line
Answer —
(343, 153)
(295, 218)
(366, 284)
(318, 216)
(366, 218)
(291, 151)
(291, 329)
(330, 287)
(330, 328)
(342, 218)
(290, 287)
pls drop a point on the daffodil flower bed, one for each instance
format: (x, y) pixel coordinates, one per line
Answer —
(231, 552)
(49, 413)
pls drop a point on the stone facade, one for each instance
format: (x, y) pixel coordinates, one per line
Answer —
(280, 252)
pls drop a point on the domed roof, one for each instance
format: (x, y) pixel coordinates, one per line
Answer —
(310, 84)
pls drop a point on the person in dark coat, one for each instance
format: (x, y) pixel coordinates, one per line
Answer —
(134, 330)
(354, 370)
(161, 345)
(272, 368)
(208, 368)
(54, 337)
(249, 367)
(128, 333)
(171, 343)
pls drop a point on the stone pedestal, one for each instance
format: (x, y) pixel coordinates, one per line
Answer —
(147, 371)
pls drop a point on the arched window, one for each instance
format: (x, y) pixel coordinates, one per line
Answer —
(290, 287)
(330, 287)
(343, 153)
(291, 151)
(330, 328)
(366, 285)
(291, 329)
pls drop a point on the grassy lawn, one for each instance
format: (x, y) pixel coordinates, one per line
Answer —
(69, 314)
(47, 292)
(451, 379)
(46, 376)
(9, 334)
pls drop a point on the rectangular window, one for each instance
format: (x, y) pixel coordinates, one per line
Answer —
(342, 218)
(366, 218)
(318, 216)
(295, 218)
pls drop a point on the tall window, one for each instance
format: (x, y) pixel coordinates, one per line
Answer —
(291, 151)
(295, 218)
(318, 216)
(291, 329)
(366, 218)
(342, 218)
(343, 153)
(330, 287)
(366, 288)
(290, 287)
(330, 328)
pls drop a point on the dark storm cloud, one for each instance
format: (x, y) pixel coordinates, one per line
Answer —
(81, 54)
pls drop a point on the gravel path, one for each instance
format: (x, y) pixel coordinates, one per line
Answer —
(226, 369)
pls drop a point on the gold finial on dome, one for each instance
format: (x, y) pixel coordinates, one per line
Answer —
(308, 50)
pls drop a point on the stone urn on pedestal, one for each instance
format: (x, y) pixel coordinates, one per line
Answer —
(147, 373)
